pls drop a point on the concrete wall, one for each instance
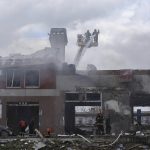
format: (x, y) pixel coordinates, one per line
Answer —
(70, 82)
(108, 81)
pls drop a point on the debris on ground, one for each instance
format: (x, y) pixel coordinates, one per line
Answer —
(17, 144)
(75, 143)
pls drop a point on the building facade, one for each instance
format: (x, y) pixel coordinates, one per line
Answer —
(29, 93)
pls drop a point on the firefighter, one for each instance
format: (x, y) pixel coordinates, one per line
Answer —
(87, 35)
(31, 127)
(49, 131)
(108, 125)
(96, 35)
(99, 123)
(22, 126)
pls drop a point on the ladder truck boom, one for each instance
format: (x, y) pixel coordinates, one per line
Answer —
(85, 41)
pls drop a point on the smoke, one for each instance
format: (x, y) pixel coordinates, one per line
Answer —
(145, 82)
(118, 107)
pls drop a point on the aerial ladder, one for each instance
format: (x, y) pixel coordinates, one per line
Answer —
(85, 41)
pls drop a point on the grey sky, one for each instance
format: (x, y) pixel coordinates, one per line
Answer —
(124, 25)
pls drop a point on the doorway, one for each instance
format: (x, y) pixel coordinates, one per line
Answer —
(17, 111)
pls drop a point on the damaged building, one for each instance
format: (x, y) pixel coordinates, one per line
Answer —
(114, 92)
(28, 86)
(42, 87)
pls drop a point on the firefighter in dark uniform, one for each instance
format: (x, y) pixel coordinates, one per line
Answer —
(99, 124)
(87, 35)
(108, 125)
(31, 126)
(96, 35)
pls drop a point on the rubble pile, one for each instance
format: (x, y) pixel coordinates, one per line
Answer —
(69, 144)
(17, 144)
(38, 144)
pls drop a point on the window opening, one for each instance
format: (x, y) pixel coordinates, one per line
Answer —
(32, 78)
(13, 78)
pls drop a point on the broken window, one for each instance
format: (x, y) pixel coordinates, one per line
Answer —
(93, 96)
(85, 117)
(72, 96)
(32, 78)
(13, 78)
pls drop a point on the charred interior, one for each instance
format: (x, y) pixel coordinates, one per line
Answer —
(74, 103)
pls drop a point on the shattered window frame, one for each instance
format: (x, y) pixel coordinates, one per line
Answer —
(11, 73)
(72, 96)
(31, 85)
(92, 96)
